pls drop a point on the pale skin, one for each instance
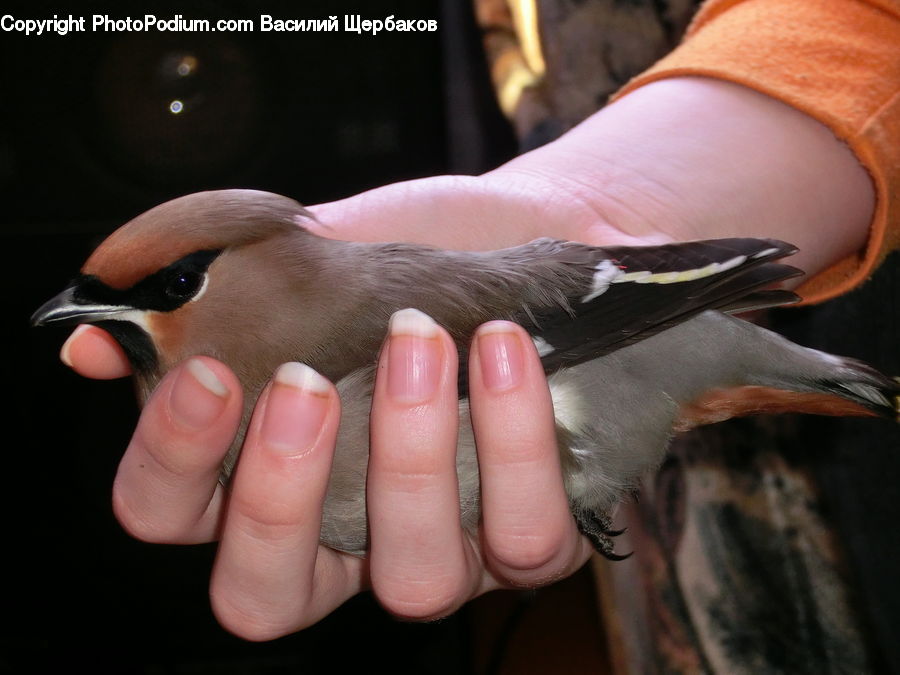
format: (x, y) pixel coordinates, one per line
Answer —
(680, 159)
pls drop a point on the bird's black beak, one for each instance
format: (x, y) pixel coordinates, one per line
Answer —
(66, 310)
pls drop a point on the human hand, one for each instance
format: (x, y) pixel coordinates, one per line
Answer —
(521, 201)
(271, 576)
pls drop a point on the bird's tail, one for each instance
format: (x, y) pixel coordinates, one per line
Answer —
(807, 381)
(860, 383)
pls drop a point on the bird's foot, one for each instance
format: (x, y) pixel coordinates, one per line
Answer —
(597, 527)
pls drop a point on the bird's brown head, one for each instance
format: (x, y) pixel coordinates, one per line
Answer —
(157, 284)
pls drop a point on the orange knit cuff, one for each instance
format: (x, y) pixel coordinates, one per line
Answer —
(838, 62)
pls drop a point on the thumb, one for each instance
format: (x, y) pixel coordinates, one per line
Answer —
(445, 211)
(390, 212)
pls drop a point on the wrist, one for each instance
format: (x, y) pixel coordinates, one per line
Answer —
(693, 158)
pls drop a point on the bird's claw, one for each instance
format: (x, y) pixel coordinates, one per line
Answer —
(597, 527)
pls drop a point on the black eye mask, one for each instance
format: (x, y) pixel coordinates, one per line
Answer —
(162, 291)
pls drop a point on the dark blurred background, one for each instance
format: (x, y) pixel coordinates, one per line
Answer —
(88, 140)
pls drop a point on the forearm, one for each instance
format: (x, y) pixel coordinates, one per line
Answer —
(690, 158)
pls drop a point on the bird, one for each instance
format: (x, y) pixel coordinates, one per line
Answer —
(638, 343)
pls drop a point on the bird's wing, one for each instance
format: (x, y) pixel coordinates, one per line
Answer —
(636, 292)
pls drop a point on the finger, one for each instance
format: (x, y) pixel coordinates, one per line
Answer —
(444, 211)
(449, 212)
(266, 581)
(421, 562)
(529, 535)
(166, 489)
(393, 212)
(92, 352)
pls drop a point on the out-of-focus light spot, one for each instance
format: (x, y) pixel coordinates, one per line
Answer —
(176, 107)
(186, 66)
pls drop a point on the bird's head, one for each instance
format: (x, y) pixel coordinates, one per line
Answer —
(201, 274)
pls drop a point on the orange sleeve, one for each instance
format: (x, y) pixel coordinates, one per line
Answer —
(836, 60)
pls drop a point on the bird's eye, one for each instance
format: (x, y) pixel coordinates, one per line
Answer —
(184, 285)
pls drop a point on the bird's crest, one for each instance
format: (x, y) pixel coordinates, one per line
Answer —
(203, 221)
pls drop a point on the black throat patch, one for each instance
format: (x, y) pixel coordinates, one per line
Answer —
(137, 345)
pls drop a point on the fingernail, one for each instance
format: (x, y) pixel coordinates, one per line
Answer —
(198, 396)
(501, 356)
(295, 408)
(64, 352)
(414, 357)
